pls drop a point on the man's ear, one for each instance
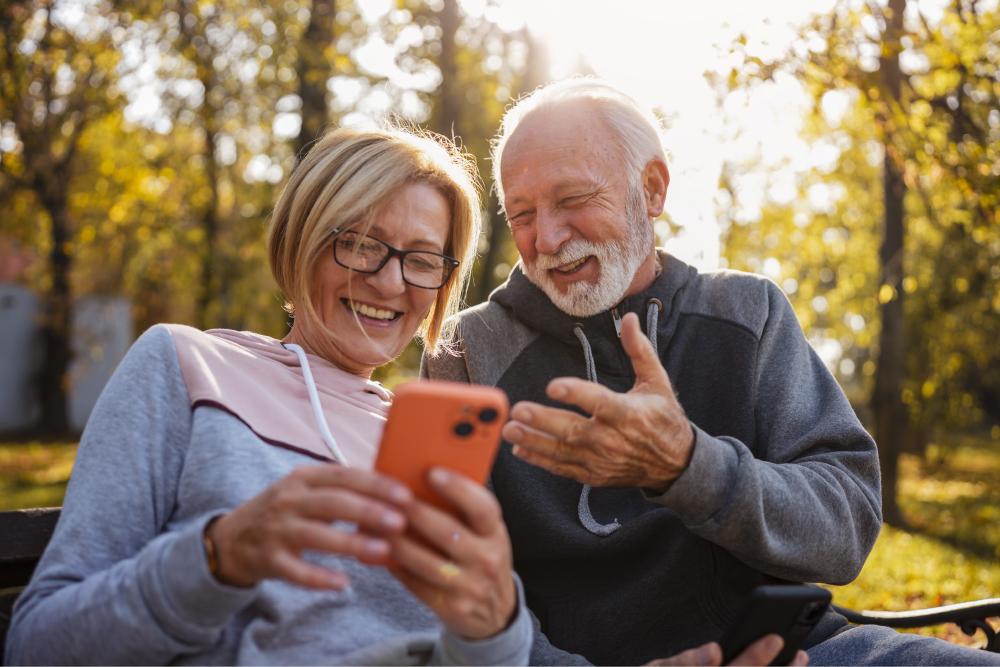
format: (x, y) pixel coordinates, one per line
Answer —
(655, 179)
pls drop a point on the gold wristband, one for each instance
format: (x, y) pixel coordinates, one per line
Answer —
(211, 553)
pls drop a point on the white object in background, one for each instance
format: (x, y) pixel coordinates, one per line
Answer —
(102, 333)
(20, 356)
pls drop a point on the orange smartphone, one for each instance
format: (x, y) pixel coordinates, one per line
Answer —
(448, 424)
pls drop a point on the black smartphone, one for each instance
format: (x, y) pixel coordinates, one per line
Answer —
(789, 611)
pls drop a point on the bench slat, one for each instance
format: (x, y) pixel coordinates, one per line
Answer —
(25, 534)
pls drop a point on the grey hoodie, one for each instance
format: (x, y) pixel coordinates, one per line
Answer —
(783, 484)
(124, 579)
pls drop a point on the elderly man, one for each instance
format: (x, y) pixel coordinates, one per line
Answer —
(674, 441)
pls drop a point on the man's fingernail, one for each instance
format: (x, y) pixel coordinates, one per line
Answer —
(440, 476)
(516, 451)
(512, 432)
(557, 390)
(392, 520)
(522, 413)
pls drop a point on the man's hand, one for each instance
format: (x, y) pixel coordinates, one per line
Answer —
(641, 438)
(761, 652)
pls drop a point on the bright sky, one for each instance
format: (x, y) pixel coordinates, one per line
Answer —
(659, 50)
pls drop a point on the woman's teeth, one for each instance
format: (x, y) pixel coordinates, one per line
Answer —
(372, 312)
(569, 268)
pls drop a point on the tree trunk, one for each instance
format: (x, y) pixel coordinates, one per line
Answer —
(56, 326)
(210, 287)
(447, 121)
(497, 234)
(314, 69)
(534, 75)
(887, 405)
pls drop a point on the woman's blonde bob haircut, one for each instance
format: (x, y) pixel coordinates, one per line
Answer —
(343, 180)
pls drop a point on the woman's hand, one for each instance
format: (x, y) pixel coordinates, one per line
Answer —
(459, 566)
(761, 652)
(264, 538)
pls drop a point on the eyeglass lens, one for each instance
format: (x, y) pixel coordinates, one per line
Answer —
(368, 255)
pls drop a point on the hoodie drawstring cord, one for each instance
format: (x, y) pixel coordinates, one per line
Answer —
(324, 428)
(587, 520)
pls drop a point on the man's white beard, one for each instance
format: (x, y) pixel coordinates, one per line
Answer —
(618, 262)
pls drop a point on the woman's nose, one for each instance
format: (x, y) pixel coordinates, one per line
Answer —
(389, 279)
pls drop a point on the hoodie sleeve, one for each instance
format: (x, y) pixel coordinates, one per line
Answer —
(510, 647)
(112, 586)
(807, 506)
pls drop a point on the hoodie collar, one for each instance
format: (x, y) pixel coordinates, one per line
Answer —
(532, 307)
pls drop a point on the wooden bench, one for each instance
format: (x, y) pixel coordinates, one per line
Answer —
(24, 534)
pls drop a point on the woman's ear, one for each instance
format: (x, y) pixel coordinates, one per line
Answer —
(655, 179)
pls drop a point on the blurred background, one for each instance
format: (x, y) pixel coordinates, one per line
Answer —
(847, 149)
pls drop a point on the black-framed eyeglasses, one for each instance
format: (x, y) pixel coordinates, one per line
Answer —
(365, 254)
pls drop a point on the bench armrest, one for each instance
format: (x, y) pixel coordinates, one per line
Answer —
(969, 616)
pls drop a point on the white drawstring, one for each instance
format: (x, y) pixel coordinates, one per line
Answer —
(324, 429)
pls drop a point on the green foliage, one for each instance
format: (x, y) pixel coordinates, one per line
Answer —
(34, 474)
(169, 206)
(945, 139)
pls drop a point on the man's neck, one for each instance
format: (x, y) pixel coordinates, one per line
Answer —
(646, 274)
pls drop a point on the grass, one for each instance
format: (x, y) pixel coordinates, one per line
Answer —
(34, 474)
(950, 553)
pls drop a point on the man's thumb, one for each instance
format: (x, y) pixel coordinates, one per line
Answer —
(645, 362)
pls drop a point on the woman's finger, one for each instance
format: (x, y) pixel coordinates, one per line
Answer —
(441, 531)
(298, 534)
(435, 598)
(430, 567)
(342, 504)
(367, 482)
(475, 504)
(293, 569)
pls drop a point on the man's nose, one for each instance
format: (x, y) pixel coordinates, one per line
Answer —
(388, 280)
(551, 232)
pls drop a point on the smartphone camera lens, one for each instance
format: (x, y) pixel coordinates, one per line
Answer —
(463, 429)
(488, 415)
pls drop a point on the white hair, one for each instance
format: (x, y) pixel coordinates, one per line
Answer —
(637, 129)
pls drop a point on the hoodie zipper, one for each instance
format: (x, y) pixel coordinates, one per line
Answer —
(617, 320)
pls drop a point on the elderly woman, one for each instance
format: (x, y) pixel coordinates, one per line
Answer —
(223, 508)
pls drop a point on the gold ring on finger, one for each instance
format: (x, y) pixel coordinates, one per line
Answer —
(449, 570)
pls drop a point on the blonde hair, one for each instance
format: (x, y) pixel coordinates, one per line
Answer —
(342, 182)
(637, 129)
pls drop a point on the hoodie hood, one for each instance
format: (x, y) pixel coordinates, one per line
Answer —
(264, 384)
(533, 308)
